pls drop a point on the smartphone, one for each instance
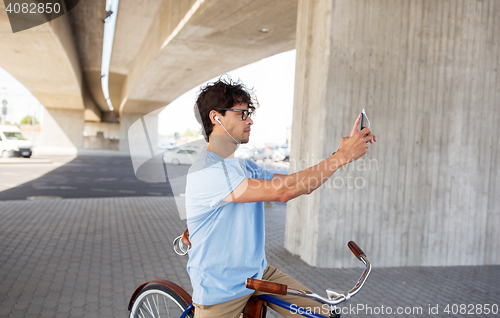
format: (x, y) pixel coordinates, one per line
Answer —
(364, 122)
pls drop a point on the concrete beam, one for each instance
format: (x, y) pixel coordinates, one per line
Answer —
(87, 23)
(44, 59)
(188, 42)
(427, 73)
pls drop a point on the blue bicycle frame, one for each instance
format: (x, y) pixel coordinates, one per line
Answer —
(188, 309)
(284, 304)
(273, 300)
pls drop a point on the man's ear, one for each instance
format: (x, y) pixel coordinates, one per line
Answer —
(212, 115)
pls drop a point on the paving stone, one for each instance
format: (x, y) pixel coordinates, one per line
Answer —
(85, 257)
(77, 312)
(17, 313)
(63, 308)
(5, 310)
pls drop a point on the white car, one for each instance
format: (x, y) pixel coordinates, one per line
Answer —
(251, 153)
(12, 143)
(180, 156)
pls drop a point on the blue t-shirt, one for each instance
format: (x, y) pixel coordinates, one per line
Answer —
(228, 239)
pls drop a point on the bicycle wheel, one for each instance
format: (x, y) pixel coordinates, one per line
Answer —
(157, 300)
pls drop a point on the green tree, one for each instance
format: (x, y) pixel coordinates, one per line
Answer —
(27, 120)
(190, 133)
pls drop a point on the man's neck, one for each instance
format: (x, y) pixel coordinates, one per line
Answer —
(222, 146)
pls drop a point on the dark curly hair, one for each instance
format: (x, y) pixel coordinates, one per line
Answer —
(224, 93)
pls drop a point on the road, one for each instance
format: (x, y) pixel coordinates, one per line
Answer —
(95, 176)
(88, 176)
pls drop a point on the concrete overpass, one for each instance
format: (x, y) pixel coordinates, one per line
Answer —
(161, 49)
(425, 70)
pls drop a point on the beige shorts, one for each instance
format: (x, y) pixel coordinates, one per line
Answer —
(233, 308)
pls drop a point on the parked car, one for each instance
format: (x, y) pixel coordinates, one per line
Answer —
(251, 153)
(243, 152)
(259, 154)
(181, 156)
(282, 154)
(13, 144)
(167, 144)
(277, 155)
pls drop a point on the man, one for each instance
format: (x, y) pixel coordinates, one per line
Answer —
(224, 204)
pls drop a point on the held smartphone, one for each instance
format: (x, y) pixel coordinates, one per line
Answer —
(364, 122)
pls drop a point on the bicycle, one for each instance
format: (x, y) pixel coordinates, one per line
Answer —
(163, 298)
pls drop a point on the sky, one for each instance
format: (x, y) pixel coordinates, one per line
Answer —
(273, 81)
(20, 101)
(271, 78)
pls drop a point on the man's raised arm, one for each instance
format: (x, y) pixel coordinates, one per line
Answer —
(282, 188)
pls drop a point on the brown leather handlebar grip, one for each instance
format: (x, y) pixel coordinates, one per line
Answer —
(265, 286)
(355, 249)
(185, 237)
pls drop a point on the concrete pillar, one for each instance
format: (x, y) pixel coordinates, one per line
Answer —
(427, 73)
(139, 133)
(62, 132)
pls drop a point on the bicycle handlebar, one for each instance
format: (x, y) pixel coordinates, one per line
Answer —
(334, 297)
(355, 249)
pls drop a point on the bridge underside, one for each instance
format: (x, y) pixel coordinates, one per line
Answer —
(160, 51)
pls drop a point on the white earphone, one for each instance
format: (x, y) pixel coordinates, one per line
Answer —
(217, 119)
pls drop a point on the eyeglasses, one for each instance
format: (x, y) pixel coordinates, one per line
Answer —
(244, 112)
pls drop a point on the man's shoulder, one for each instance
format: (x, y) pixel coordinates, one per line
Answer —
(208, 165)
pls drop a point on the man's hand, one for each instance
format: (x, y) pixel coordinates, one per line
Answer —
(355, 129)
(356, 145)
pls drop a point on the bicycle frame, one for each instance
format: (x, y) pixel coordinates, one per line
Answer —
(284, 304)
(273, 300)
(188, 309)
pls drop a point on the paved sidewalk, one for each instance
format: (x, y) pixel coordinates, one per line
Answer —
(84, 258)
